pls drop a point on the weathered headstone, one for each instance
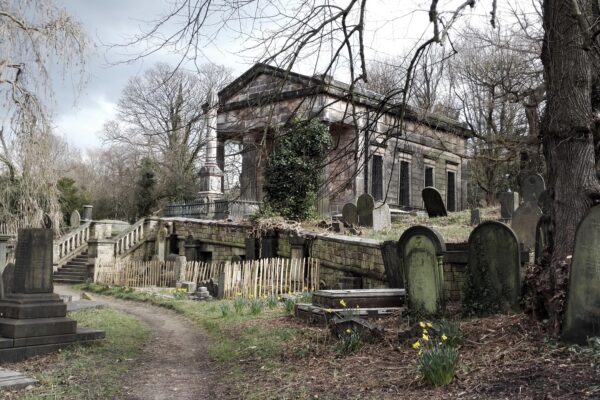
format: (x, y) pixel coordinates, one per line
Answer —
(493, 280)
(433, 202)
(582, 316)
(161, 244)
(475, 216)
(532, 187)
(364, 206)
(509, 202)
(8, 279)
(75, 219)
(350, 214)
(543, 236)
(392, 264)
(421, 251)
(524, 223)
(382, 218)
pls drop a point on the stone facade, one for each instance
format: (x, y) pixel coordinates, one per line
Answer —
(369, 153)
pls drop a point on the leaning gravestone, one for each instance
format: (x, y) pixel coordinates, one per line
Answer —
(433, 202)
(509, 201)
(493, 280)
(75, 219)
(421, 250)
(382, 218)
(365, 205)
(532, 187)
(524, 223)
(582, 317)
(350, 214)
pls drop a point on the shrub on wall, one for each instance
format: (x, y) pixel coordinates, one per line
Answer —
(293, 173)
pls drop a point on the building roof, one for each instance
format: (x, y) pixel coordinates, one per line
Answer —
(322, 84)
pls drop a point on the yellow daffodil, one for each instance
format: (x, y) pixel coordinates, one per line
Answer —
(348, 330)
(444, 338)
(343, 303)
(425, 332)
(329, 310)
(422, 324)
(425, 338)
(416, 345)
(429, 325)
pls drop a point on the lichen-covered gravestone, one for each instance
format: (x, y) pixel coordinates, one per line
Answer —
(582, 317)
(75, 219)
(433, 202)
(365, 205)
(509, 201)
(532, 187)
(524, 223)
(421, 251)
(382, 218)
(493, 280)
(350, 214)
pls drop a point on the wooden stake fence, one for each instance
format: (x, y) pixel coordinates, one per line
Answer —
(136, 274)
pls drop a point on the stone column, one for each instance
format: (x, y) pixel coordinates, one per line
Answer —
(210, 174)
(87, 213)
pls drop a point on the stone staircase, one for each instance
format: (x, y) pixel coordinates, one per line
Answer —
(74, 271)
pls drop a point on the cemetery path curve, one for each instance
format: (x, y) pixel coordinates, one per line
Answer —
(175, 363)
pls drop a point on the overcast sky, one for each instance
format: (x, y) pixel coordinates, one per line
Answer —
(80, 119)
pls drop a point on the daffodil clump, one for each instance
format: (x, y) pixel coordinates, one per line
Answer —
(256, 306)
(180, 293)
(273, 301)
(437, 358)
(350, 342)
(225, 309)
(239, 303)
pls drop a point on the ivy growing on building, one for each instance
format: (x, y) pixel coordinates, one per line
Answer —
(294, 171)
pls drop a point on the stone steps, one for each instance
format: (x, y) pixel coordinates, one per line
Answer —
(75, 271)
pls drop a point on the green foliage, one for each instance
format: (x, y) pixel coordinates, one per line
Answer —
(256, 306)
(145, 196)
(438, 363)
(70, 198)
(272, 301)
(238, 304)
(225, 309)
(350, 342)
(451, 330)
(293, 174)
(290, 304)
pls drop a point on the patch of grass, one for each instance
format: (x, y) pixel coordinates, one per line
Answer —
(90, 371)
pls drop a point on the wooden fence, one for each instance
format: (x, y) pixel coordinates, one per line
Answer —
(254, 278)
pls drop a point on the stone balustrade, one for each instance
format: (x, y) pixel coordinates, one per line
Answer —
(71, 244)
(129, 238)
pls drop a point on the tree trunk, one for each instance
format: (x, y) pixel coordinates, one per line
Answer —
(568, 143)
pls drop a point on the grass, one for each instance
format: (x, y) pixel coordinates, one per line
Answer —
(91, 371)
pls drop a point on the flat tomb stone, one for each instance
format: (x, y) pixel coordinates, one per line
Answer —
(14, 380)
(363, 298)
(319, 315)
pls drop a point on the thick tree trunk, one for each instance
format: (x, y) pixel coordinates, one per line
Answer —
(568, 142)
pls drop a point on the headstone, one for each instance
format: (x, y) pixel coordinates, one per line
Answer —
(33, 266)
(421, 251)
(364, 206)
(392, 264)
(8, 280)
(543, 236)
(509, 201)
(433, 202)
(350, 214)
(582, 316)
(475, 216)
(161, 244)
(493, 269)
(382, 218)
(75, 219)
(87, 212)
(532, 187)
(524, 223)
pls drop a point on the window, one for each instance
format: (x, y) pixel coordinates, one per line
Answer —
(377, 178)
(451, 195)
(429, 176)
(404, 196)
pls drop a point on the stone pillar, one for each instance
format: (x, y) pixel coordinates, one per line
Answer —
(3, 240)
(101, 251)
(211, 176)
(87, 213)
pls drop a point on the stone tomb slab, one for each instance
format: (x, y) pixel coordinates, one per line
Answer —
(421, 251)
(582, 316)
(319, 315)
(14, 380)
(433, 202)
(363, 298)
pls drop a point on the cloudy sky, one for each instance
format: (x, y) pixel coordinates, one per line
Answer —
(80, 118)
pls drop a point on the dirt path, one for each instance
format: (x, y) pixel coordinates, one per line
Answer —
(175, 364)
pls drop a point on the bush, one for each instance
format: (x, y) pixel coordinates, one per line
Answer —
(438, 363)
(349, 342)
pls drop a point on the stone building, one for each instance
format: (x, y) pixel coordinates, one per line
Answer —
(372, 152)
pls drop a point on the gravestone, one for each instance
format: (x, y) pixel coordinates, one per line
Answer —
(364, 206)
(392, 265)
(75, 219)
(475, 216)
(509, 201)
(433, 202)
(532, 187)
(582, 316)
(350, 214)
(421, 251)
(382, 218)
(8, 279)
(493, 269)
(33, 319)
(524, 223)
(543, 236)
(161, 244)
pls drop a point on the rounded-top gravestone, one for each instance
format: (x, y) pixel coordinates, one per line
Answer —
(433, 202)
(524, 223)
(493, 279)
(532, 188)
(75, 219)
(582, 316)
(365, 205)
(421, 251)
(350, 214)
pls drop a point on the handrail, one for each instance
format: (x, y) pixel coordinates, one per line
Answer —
(129, 238)
(72, 242)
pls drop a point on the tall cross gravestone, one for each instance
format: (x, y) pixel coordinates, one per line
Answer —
(493, 270)
(421, 251)
(582, 317)
(433, 202)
